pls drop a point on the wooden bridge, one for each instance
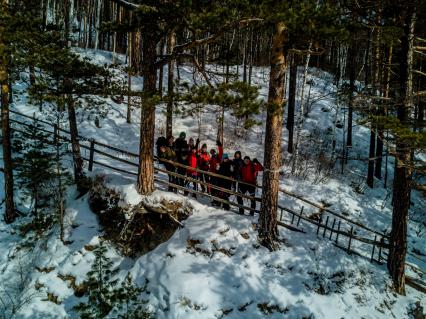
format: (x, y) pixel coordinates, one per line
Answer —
(304, 216)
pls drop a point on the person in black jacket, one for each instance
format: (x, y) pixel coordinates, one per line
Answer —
(167, 153)
(183, 159)
(238, 164)
(181, 146)
(225, 169)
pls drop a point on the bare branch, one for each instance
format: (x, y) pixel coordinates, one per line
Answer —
(179, 49)
(127, 4)
(307, 52)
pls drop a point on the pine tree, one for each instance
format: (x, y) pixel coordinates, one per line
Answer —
(238, 97)
(153, 20)
(105, 297)
(35, 168)
(5, 54)
(288, 18)
(41, 175)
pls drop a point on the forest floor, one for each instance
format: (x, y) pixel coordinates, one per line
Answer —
(214, 267)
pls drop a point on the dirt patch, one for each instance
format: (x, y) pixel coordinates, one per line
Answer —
(137, 229)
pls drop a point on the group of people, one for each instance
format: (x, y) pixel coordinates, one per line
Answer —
(188, 153)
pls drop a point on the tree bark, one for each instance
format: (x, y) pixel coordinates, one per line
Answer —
(75, 144)
(171, 41)
(352, 78)
(129, 77)
(377, 74)
(146, 149)
(9, 212)
(372, 148)
(268, 231)
(403, 162)
(291, 102)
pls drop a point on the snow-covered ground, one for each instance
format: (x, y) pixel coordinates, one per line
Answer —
(307, 277)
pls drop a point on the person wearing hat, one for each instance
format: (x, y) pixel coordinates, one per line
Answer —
(181, 146)
(249, 173)
(192, 144)
(238, 163)
(225, 169)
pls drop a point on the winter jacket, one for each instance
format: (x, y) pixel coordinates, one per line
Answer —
(214, 160)
(225, 169)
(238, 164)
(192, 162)
(182, 170)
(249, 172)
(170, 155)
(181, 147)
(203, 161)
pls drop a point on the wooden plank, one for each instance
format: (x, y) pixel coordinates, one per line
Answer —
(290, 227)
(192, 191)
(111, 167)
(225, 190)
(416, 284)
(115, 157)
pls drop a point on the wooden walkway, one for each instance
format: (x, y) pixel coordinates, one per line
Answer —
(297, 214)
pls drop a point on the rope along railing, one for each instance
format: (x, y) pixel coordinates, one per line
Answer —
(347, 234)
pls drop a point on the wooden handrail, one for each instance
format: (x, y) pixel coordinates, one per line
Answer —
(283, 191)
(225, 190)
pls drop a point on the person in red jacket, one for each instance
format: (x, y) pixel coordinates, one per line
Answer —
(193, 163)
(249, 173)
(203, 164)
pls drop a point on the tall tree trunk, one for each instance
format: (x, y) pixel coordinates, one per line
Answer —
(268, 231)
(372, 149)
(378, 90)
(129, 76)
(352, 75)
(68, 87)
(291, 102)
(299, 120)
(75, 144)
(9, 212)
(403, 161)
(146, 149)
(171, 40)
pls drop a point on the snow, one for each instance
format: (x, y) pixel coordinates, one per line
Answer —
(227, 274)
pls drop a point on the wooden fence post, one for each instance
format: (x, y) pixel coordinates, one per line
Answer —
(325, 227)
(380, 250)
(319, 225)
(300, 216)
(338, 231)
(332, 228)
(55, 133)
(374, 246)
(92, 153)
(350, 240)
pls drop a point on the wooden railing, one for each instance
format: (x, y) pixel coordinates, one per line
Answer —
(347, 234)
